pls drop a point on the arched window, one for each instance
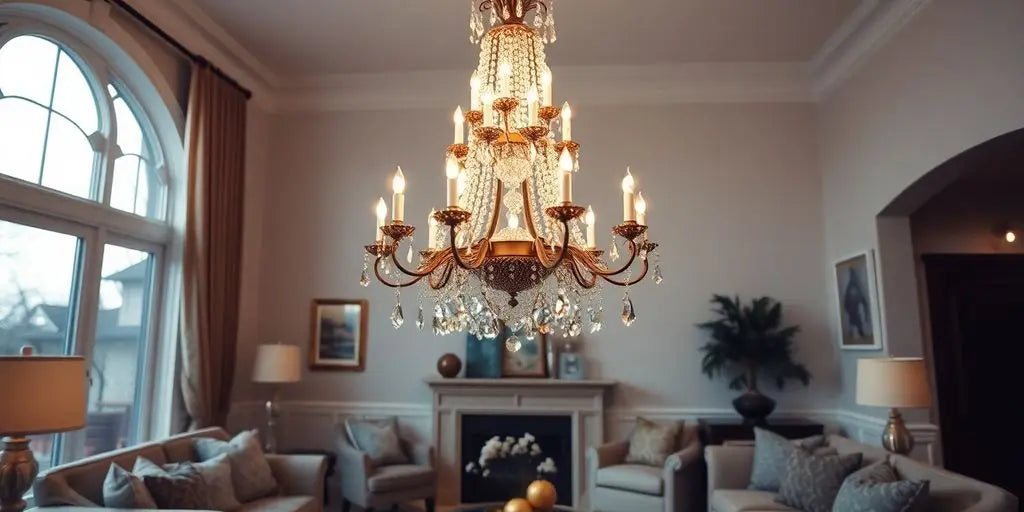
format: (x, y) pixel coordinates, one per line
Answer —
(63, 130)
(84, 232)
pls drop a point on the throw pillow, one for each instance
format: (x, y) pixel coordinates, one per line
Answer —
(216, 472)
(877, 488)
(770, 453)
(179, 487)
(651, 443)
(251, 475)
(810, 482)
(122, 489)
(378, 438)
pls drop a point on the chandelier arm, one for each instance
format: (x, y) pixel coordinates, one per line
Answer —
(629, 282)
(578, 274)
(496, 214)
(479, 259)
(376, 270)
(446, 274)
(542, 252)
(528, 210)
(593, 267)
(430, 266)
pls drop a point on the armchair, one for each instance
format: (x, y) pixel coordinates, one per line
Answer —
(615, 485)
(370, 486)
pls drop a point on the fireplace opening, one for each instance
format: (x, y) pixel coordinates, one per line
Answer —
(500, 479)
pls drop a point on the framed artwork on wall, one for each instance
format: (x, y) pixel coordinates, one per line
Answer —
(522, 357)
(338, 335)
(857, 298)
(571, 366)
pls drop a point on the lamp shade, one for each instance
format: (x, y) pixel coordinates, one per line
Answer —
(893, 382)
(41, 395)
(277, 364)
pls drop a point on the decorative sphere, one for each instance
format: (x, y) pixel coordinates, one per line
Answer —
(542, 495)
(518, 505)
(449, 365)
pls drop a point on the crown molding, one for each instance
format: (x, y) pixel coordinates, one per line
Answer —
(872, 24)
(755, 82)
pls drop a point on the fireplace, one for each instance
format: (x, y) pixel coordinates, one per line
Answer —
(571, 412)
(552, 434)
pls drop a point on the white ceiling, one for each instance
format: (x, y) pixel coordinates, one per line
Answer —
(317, 37)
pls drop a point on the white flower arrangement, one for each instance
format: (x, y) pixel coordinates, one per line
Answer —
(524, 450)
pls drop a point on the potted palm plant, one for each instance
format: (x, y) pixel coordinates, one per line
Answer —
(749, 343)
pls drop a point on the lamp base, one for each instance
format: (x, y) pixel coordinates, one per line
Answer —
(18, 468)
(270, 439)
(896, 438)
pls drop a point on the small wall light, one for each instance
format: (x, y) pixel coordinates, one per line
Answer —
(1010, 236)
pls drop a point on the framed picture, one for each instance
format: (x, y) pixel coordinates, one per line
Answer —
(530, 360)
(338, 335)
(571, 366)
(857, 297)
(483, 357)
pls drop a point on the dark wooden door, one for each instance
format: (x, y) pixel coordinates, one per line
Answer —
(976, 304)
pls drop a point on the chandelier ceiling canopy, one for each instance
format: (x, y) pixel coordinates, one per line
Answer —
(509, 247)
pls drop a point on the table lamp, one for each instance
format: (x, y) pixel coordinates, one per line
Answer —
(40, 395)
(894, 383)
(275, 364)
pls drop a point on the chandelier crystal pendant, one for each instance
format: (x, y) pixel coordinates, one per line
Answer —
(508, 248)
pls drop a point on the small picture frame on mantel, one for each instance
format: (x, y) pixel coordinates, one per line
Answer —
(572, 366)
(521, 356)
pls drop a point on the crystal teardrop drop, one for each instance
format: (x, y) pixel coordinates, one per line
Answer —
(512, 344)
(397, 317)
(408, 256)
(561, 305)
(596, 320)
(419, 319)
(614, 254)
(628, 313)
(657, 275)
(364, 279)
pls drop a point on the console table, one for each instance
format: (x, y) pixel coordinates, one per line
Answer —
(718, 431)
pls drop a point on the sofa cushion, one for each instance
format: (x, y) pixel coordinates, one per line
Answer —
(122, 489)
(632, 477)
(651, 443)
(737, 500)
(811, 482)
(250, 471)
(378, 438)
(83, 479)
(399, 477)
(216, 472)
(877, 488)
(282, 504)
(176, 486)
(770, 453)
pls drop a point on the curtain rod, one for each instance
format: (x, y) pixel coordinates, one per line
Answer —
(194, 57)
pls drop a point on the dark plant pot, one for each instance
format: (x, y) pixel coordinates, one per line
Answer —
(754, 407)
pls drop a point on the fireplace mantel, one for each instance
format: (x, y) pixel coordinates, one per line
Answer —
(582, 400)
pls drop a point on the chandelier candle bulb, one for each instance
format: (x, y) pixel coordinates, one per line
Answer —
(431, 230)
(565, 163)
(451, 172)
(460, 132)
(591, 221)
(545, 84)
(474, 92)
(566, 122)
(488, 108)
(531, 100)
(628, 207)
(382, 214)
(641, 209)
(398, 196)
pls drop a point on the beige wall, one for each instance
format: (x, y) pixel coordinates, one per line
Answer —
(735, 200)
(948, 81)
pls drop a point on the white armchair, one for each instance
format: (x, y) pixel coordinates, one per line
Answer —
(615, 486)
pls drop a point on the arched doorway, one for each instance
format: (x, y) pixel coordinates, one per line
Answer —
(953, 244)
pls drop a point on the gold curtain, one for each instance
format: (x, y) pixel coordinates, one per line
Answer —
(215, 145)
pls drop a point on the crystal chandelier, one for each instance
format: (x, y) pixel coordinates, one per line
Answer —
(508, 249)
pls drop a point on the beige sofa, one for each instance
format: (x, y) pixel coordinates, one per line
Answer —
(729, 470)
(78, 487)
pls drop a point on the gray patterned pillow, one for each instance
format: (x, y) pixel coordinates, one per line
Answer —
(122, 489)
(378, 438)
(810, 482)
(216, 472)
(176, 486)
(770, 453)
(651, 443)
(877, 488)
(250, 472)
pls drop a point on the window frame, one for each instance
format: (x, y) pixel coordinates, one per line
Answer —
(97, 224)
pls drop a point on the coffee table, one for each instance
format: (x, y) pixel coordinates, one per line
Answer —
(496, 507)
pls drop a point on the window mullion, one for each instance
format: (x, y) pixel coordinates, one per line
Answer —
(49, 116)
(86, 312)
